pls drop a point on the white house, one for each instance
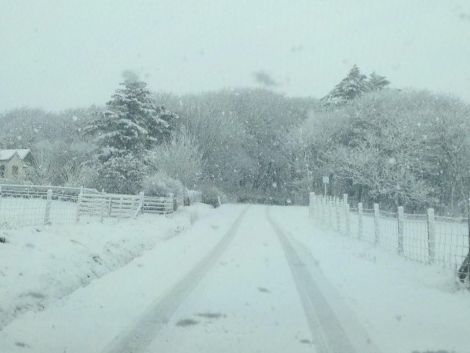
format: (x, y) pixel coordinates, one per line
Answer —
(12, 163)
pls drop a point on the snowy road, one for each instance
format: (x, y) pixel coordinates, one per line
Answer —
(241, 281)
(242, 291)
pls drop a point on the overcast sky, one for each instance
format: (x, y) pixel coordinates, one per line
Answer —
(61, 54)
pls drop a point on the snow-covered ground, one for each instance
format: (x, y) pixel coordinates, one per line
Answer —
(19, 211)
(249, 279)
(41, 264)
(405, 306)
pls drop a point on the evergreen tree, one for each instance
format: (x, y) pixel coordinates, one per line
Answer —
(352, 86)
(132, 122)
(377, 82)
(130, 126)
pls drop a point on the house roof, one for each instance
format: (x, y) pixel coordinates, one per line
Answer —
(6, 155)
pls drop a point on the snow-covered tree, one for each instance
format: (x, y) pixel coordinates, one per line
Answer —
(131, 125)
(377, 82)
(179, 158)
(352, 86)
(121, 174)
(132, 122)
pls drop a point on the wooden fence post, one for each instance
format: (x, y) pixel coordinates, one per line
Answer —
(103, 206)
(79, 204)
(338, 214)
(47, 214)
(328, 211)
(140, 209)
(431, 236)
(323, 210)
(347, 224)
(311, 202)
(359, 220)
(376, 223)
(401, 230)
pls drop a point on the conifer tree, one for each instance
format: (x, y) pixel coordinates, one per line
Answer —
(132, 122)
(131, 125)
(350, 87)
(377, 82)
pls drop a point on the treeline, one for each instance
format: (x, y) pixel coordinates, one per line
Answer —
(396, 147)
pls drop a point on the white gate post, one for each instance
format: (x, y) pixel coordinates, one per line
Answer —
(359, 220)
(47, 214)
(140, 208)
(431, 236)
(376, 223)
(401, 229)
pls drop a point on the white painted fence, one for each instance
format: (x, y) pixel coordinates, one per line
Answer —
(159, 205)
(424, 238)
(30, 205)
(109, 205)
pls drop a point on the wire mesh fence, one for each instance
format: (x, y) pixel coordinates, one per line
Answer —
(32, 205)
(423, 238)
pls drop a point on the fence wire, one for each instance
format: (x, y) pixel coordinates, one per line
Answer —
(422, 238)
(29, 205)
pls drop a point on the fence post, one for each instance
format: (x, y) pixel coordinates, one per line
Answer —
(431, 236)
(337, 213)
(141, 203)
(311, 203)
(328, 211)
(464, 269)
(331, 210)
(47, 214)
(169, 206)
(347, 224)
(401, 229)
(79, 204)
(321, 207)
(376, 223)
(103, 205)
(359, 220)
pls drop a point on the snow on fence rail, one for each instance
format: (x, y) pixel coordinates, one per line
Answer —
(109, 205)
(159, 205)
(30, 205)
(424, 238)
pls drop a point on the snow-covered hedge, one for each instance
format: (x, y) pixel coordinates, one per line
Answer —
(161, 184)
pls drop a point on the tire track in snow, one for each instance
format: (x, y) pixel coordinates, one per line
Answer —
(143, 332)
(326, 328)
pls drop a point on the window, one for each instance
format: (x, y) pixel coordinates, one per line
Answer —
(2, 171)
(14, 170)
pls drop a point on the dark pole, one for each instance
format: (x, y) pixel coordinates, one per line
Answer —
(464, 270)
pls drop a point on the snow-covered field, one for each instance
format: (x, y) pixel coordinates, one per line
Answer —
(242, 279)
(41, 264)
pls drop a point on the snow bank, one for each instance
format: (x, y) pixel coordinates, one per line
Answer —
(407, 307)
(42, 264)
(107, 306)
